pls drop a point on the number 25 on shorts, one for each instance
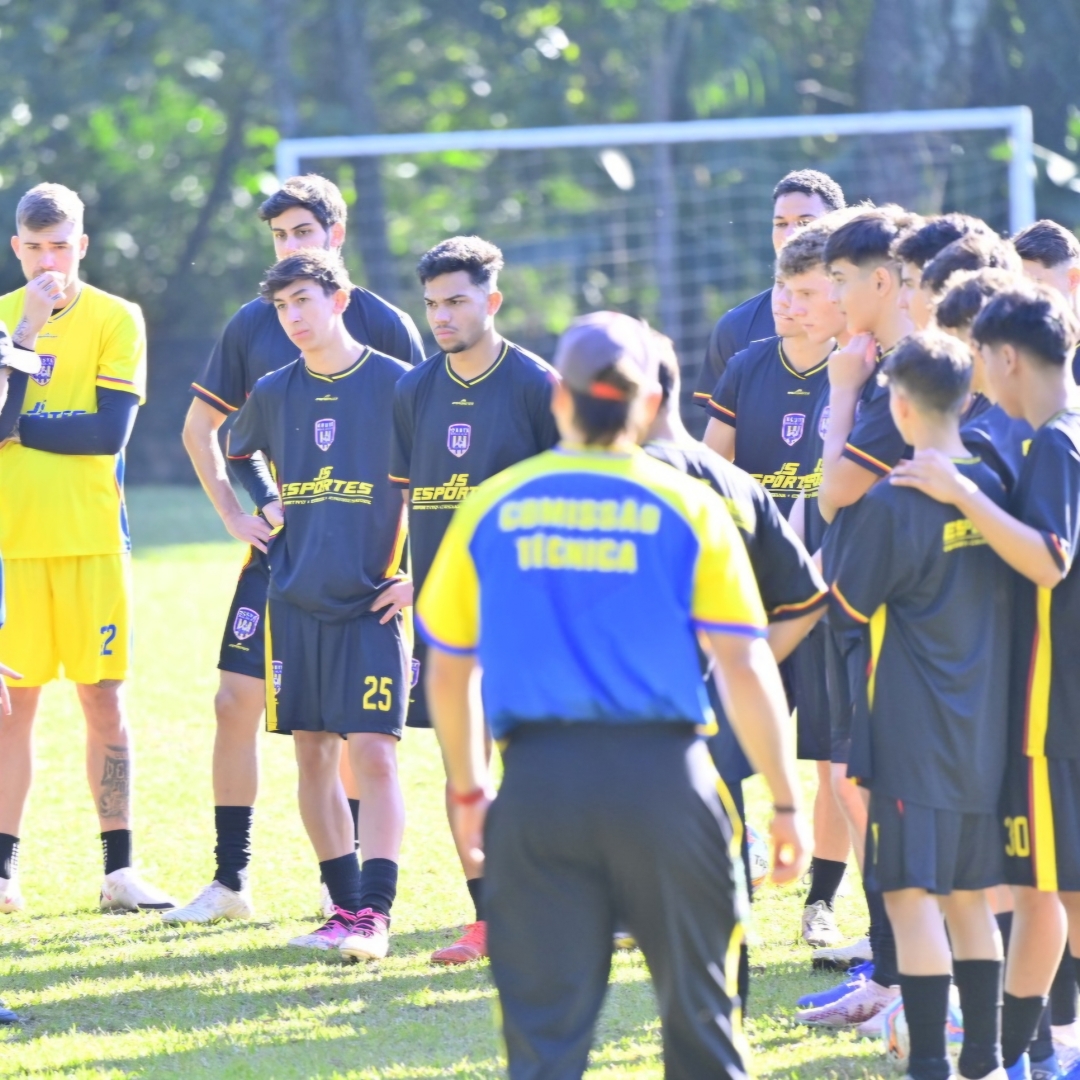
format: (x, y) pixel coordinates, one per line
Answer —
(383, 688)
(1018, 844)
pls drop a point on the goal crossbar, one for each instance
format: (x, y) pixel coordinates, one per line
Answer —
(1015, 120)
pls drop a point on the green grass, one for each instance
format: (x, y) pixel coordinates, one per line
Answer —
(109, 996)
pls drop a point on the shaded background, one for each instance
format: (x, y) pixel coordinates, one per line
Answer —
(165, 116)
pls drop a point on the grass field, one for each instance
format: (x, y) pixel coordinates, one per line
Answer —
(122, 996)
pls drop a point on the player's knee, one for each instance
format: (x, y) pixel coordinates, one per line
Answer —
(317, 753)
(374, 759)
(240, 699)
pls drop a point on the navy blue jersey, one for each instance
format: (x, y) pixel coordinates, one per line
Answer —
(451, 435)
(770, 406)
(253, 344)
(1046, 674)
(328, 438)
(990, 433)
(749, 321)
(937, 601)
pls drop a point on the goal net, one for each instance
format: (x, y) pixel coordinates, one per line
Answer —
(670, 222)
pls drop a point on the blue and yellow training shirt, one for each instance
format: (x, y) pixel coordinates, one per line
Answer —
(579, 579)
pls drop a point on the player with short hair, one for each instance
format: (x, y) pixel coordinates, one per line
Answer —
(609, 805)
(799, 197)
(336, 656)
(63, 527)
(1027, 335)
(305, 212)
(937, 602)
(476, 407)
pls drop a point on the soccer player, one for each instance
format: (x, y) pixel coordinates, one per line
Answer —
(1027, 335)
(972, 252)
(478, 406)
(799, 197)
(63, 527)
(305, 212)
(937, 601)
(336, 653)
(577, 581)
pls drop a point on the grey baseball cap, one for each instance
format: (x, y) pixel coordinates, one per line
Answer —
(606, 339)
(12, 356)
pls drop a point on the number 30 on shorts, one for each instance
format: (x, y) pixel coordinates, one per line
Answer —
(383, 688)
(1018, 844)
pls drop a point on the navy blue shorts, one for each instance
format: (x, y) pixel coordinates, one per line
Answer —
(845, 675)
(813, 720)
(418, 710)
(941, 851)
(243, 645)
(1040, 823)
(347, 678)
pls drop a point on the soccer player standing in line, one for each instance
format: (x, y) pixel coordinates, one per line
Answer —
(63, 526)
(306, 212)
(1027, 336)
(800, 197)
(335, 651)
(578, 580)
(475, 408)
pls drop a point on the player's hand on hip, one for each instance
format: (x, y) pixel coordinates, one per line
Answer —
(249, 529)
(934, 474)
(5, 697)
(393, 599)
(274, 512)
(43, 293)
(851, 366)
(791, 847)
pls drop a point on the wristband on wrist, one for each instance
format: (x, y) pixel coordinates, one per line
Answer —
(470, 798)
(777, 809)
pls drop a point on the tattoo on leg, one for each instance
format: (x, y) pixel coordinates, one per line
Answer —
(115, 785)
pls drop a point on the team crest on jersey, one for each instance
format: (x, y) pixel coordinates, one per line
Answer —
(275, 667)
(415, 673)
(48, 364)
(792, 427)
(245, 624)
(325, 430)
(823, 423)
(458, 438)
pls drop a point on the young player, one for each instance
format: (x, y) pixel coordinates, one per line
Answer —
(937, 601)
(63, 527)
(335, 651)
(972, 252)
(475, 408)
(800, 197)
(609, 804)
(1026, 335)
(305, 212)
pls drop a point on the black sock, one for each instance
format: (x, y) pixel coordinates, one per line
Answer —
(926, 1009)
(979, 985)
(476, 891)
(342, 877)
(1019, 1019)
(378, 885)
(1042, 1046)
(827, 875)
(233, 850)
(1062, 993)
(9, 855)
(116, 847)
(882, 941)
(1004, 921)
(354, 809)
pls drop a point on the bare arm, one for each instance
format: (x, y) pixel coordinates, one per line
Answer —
(721, 438)
(785, 635)
(201, 442)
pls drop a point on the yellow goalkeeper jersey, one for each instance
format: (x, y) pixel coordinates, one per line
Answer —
(55, 505)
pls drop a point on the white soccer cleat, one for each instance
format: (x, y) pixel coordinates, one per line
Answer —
(330, 935)
(125, 890)
(856, 1008)
(844, 956)
(326, 905)
(11, 897)
(369, 938)
(214, 903)
(819, 929)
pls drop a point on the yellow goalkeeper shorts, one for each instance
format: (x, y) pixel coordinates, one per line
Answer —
(69, 615)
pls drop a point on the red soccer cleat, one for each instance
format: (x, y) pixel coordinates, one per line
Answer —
(472, 945)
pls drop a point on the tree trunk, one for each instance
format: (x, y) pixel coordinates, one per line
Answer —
(278, 37)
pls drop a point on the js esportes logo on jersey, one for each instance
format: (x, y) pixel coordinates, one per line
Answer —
(458, 438)
(792, 427)
(245, 624)
(325, 430)
(45, 372)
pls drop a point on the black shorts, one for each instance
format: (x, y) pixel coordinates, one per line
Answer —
(813, 721)
(845, 676)
(941, 851)
(418, 711)
(345, 677)
(1040, 819)
(243, 645)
